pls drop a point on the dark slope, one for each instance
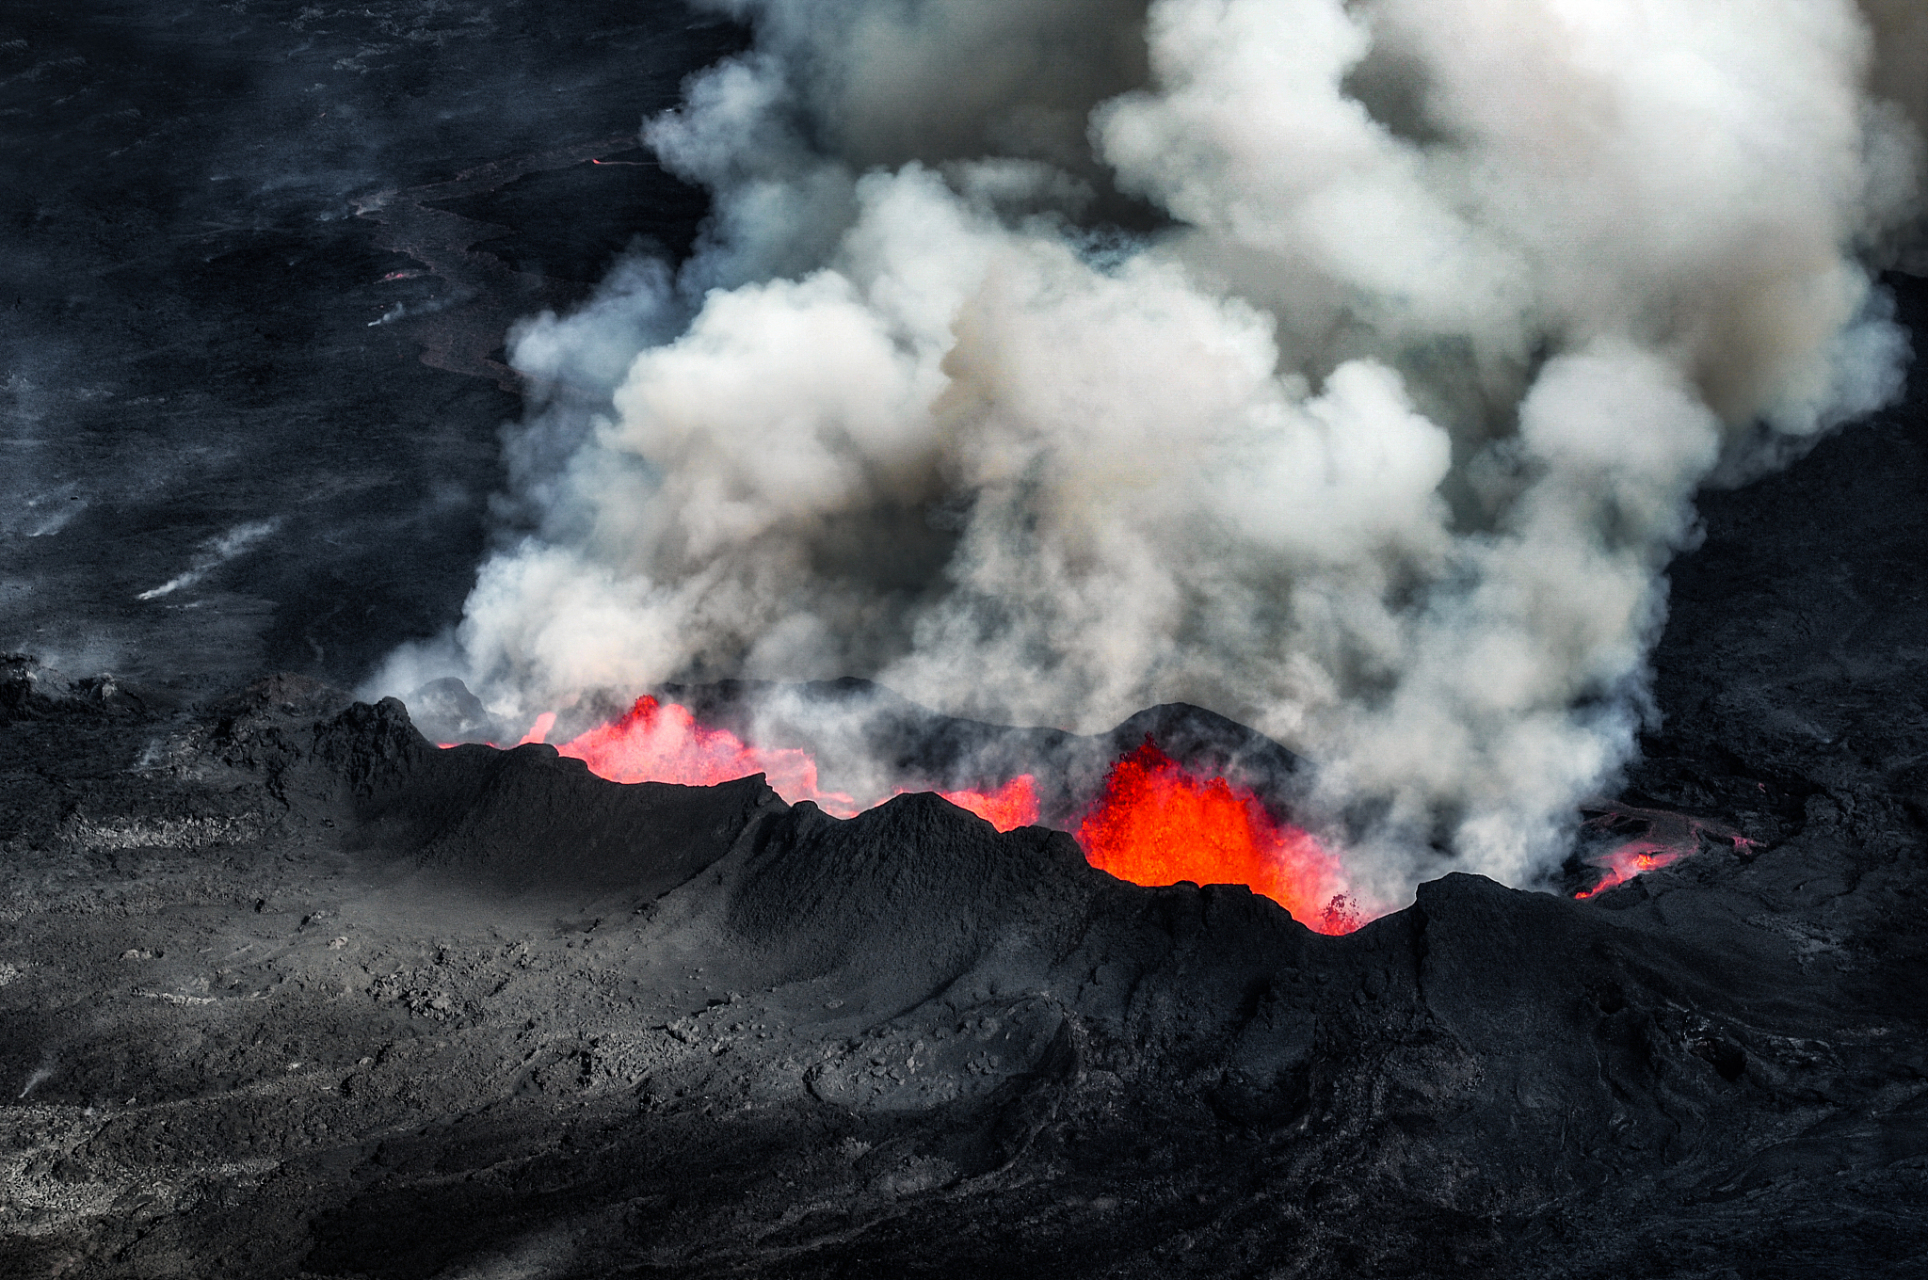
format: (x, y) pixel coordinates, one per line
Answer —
(277, 1001)
(426, 1012)
(524, 819)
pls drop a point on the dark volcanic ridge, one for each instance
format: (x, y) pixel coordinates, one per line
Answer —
(287, 991)
(840, 721)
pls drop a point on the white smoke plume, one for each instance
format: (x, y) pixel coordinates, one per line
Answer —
(1346, 368)
(214, 553)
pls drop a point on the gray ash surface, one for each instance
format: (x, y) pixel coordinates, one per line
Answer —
(257, 264)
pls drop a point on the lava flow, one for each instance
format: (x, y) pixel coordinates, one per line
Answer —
(1665, 838)
(1155, 824)
(661, 742)
(1623, 865)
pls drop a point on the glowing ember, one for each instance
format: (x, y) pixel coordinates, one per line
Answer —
(1156, 824)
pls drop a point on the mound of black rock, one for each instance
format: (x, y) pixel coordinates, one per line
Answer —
(287, 991)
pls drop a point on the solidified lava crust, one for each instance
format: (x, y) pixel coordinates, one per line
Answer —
(287, 991)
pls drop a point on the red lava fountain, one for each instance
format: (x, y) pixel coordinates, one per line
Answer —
(661, 742)
(1155, 824)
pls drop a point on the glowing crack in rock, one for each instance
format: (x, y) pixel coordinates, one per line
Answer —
(1664, 838)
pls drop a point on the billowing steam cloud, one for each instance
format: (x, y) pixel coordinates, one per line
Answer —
(1347, 368)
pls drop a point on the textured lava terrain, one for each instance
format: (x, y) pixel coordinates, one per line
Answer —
(287, 992)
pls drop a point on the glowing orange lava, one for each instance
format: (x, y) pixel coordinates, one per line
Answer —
(1666, 839)
(1156, 824)
(1625, 863)
(1013, 805)
(1153, 823)
(661, 742)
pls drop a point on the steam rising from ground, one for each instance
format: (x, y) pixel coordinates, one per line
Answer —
(214, 553)
(1349, 369)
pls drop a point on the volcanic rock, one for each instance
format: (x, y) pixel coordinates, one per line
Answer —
(403, 1012)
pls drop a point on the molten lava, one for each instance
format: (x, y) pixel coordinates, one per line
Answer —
(1625, 863)
(1156, 824)
(1663, 838)
(1013, 805)
(1153, 822)
(661, 742)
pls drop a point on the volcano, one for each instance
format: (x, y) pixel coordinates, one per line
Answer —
(717, 976)
(290, 990)
(1150, 820)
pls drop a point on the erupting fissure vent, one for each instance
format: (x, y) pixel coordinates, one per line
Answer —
(661, 742)
(1153, 822)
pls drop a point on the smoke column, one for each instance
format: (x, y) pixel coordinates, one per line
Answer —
(1347, 368)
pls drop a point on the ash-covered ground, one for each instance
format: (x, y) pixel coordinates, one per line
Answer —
(258, 262)
(286, 992)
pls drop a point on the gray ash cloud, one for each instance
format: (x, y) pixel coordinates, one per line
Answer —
(1348, 369)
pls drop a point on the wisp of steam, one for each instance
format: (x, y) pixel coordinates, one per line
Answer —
(1347, 368)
